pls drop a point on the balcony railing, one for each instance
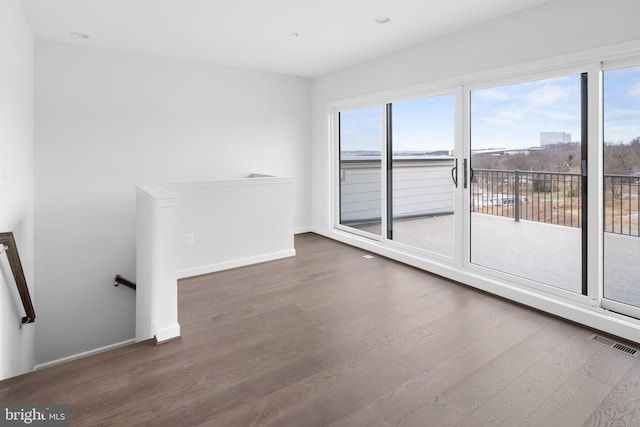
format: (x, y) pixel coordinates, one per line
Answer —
(422, 186)
(622, 195)
(554, 198)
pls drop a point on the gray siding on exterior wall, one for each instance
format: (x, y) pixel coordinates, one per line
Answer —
(421, 187)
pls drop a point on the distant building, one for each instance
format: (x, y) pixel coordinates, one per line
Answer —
(554, 138)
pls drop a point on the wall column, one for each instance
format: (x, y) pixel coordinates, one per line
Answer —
(157, 284)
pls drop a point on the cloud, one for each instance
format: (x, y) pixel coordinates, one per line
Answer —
(566, 116)
(508, 116)
(493, 94)
(635, 90)
(546, 95)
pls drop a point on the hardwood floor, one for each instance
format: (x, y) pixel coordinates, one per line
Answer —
(329, 338)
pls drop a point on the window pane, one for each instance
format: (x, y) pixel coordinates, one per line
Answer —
(423, 190)
(622, 185)
(360, 169)
(526, 191)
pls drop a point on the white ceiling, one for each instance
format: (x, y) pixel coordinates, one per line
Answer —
(259, 34)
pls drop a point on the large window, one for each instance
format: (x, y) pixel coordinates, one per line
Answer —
(528, 184)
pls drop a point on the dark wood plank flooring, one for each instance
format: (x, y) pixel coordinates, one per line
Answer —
(329, 338)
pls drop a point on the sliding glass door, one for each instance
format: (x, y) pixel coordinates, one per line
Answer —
(422, 170)
(526, 181)
(621, 188)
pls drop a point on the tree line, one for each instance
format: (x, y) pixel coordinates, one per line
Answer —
(619, 159)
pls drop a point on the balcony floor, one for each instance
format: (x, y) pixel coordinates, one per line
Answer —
(546, 253)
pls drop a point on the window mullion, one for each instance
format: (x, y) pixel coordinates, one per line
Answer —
(595, 211)
(389, 166)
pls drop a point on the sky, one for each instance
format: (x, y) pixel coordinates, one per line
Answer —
(510, 116)
(513, 116)
(621, 104)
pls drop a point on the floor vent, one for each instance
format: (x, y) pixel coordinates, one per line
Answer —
(615, 345)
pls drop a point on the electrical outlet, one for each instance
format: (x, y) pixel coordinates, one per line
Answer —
(188, 239)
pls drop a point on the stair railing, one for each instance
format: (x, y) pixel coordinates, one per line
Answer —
(119, 280)
(8, 246)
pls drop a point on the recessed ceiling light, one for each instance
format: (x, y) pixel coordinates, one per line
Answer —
(383, 19)
(296, 35)
(79, 36)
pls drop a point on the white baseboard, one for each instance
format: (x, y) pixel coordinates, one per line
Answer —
(167, 333)
(83, 354)
(301, 230)
(212, 268)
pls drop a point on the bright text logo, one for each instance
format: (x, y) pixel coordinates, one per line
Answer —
(36, 415)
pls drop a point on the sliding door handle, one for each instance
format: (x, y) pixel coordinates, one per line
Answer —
(464, 172)
(454, 174)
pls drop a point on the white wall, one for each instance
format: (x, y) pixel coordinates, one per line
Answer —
(16, 179)
(252, 216)
(106, 120)
(552, 29)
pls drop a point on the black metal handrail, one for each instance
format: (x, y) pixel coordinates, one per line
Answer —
(555, 198)
(119, 280)
(10, 248)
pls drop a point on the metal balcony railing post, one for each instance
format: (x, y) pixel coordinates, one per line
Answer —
(516, 213)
